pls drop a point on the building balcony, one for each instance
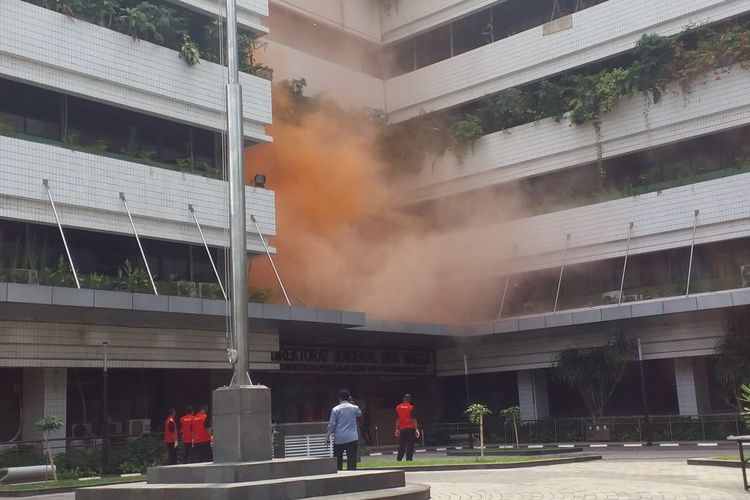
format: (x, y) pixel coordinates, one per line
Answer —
(44, 48)
(711, 106)
(86, 189)
(324, 78)
(531, 55)
(250, 13)
(661, 220)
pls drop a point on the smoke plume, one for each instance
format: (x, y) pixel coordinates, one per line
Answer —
(342, 243)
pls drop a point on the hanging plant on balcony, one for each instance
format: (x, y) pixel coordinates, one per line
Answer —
(189, 50)
(135, 22)
(466, 133)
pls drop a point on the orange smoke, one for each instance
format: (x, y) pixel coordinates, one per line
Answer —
(341, 244)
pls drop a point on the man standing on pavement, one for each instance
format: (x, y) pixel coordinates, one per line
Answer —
(186, 426)
(343, 427)
(171, 437)
(407, 429)
(202, 436)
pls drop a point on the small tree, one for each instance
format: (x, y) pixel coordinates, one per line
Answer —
(745, 398)
(595, 372)
(49, 424)
(514, 415)
(476, 413)
(733, 362)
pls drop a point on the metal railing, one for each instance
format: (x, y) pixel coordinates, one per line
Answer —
(663, 428)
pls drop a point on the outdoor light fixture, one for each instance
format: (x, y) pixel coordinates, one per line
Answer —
(259, 181)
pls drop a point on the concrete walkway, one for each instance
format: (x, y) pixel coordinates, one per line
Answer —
(622, 476)
(604, 480)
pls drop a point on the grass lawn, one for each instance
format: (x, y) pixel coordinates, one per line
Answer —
(728, 458)
(70, 483)
(369, 464)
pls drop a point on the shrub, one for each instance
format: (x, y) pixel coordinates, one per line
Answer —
(138, 455)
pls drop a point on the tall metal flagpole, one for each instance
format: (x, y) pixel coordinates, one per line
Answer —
(238, 243)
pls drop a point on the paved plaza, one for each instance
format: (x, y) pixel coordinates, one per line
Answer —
(624, 479)
(618, 477)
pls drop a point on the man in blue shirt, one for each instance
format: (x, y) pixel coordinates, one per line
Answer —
(343, 427)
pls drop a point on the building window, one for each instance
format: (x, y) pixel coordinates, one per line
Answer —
(433, 46)
(472, 32)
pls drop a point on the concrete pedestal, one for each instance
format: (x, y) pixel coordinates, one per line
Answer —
(243, 467)
(241, 423)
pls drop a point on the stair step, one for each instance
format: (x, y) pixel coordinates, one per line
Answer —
(412, 491)
(290, 488)
(241, 472)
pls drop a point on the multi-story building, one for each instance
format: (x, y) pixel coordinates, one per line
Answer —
(124, 136)
(101, 119)
(657, 248)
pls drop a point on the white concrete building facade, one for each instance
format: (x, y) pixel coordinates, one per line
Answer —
(404, 57)
(544, 45)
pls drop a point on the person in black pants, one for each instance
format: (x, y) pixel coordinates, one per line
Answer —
(171, 437)
(342, 426)
(407, 429)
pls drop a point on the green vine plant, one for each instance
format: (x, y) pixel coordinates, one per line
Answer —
(466, 133)
(190, 52)
(163, 24)
(581, 97)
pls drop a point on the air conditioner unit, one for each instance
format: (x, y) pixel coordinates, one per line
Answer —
(80, 431)
(138, 427)
(115, 428)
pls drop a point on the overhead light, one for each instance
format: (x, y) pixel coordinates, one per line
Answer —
(259, 181)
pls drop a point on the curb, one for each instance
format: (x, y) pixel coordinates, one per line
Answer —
(562, 446)
(714, 463)
(480, 466)
(52, 491)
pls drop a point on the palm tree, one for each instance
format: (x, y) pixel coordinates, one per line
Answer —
(595, 372)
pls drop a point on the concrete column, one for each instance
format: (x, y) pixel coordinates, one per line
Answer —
(45, 392)
(691, 380)
(532, 394)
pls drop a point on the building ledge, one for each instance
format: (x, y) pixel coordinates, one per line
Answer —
(606, 313)
(22, 302)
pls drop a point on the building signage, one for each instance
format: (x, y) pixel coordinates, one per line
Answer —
(355, 360)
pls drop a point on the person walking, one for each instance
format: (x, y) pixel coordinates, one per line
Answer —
(202, 436)
(186, 428)
(171, 437)
(343, 427)
(407, 429)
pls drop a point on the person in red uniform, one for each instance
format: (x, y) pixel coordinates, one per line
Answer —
(202, 435)
(171, 437)
(407, 429)
(186, 426)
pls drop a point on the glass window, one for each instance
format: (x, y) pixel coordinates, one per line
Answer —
(398, 58)
(472, 31)
(40, 109)
(515, 16)
(433, 46)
